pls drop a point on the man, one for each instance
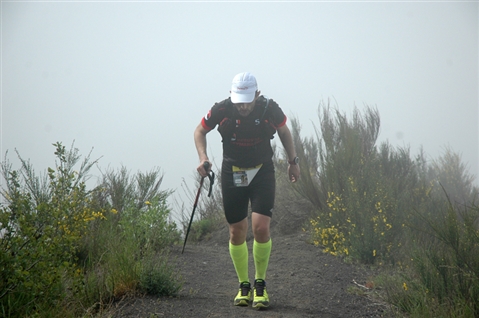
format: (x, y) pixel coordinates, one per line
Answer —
(247, 122)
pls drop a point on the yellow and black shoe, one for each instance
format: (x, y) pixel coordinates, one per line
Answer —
(244, 294)
(260, 296)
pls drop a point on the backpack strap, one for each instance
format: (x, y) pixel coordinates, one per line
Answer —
(265, 108)
(227, 124)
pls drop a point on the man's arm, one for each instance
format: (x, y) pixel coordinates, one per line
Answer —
(200, 143)
(288, 144)
(287, 141)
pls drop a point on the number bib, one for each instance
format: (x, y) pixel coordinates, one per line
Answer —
(242, 177)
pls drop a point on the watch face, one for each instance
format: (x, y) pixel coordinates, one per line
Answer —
(294, 161)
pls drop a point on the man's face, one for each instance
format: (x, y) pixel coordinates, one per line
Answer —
(244, 109)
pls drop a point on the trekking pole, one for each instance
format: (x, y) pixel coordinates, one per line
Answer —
(211, 177)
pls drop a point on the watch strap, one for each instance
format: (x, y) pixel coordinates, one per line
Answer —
(294, 161)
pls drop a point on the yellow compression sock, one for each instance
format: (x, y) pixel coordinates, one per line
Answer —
(261, 253)
(239, 256)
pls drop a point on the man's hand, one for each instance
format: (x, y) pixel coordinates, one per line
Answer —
(293, 172)
(204, 168)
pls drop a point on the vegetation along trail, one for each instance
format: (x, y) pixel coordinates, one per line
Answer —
(367, 231)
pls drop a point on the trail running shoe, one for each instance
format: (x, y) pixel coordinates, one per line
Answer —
(260, 297)
(244, 294)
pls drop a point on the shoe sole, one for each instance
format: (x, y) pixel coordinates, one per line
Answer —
(242, 302)
(260, 305)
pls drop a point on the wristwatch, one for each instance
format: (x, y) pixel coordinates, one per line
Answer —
(295, 161)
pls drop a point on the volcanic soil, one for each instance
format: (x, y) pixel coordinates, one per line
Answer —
(302, 281)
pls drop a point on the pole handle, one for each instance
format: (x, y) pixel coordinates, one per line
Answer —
(206, 165)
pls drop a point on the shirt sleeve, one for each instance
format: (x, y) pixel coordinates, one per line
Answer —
(214, 116)
(279, 118)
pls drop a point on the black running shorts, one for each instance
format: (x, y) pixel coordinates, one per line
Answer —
(260, 192)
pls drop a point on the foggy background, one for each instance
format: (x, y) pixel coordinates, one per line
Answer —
(132, 80)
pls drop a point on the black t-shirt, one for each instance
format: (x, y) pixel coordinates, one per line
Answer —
(248, 141)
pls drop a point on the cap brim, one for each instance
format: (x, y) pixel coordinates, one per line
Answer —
(242, 98)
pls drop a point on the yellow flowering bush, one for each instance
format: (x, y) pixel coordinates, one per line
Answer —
(331, 239)
(359, 189)
(41, 226)
(377, 205)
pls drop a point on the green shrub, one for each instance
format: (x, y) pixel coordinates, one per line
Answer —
(446, 257)
(450, 175)
(42, 223)
(64, 248)
(159, 278)
(150, 226)
(202, 229)
(359, 190)
(141, 229)
(376, 205)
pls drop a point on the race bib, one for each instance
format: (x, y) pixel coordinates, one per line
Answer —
(242, 177)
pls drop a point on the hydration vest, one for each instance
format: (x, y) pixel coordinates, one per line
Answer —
(231, 122)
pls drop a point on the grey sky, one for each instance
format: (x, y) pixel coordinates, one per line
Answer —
(133, 79)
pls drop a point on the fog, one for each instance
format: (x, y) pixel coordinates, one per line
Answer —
(130, 81)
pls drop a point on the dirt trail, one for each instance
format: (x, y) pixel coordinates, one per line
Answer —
(302, 282)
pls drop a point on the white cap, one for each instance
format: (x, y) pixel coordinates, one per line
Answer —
(243, 88)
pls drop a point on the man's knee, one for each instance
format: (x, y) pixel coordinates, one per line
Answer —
(238, 232)
(261, 227)
(261, 230)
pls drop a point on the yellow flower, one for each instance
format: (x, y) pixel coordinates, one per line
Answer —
(374, 253)
(148, 203)
(404, 286)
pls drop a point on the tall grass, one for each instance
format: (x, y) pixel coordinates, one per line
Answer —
(445, 258)
(376, 205)
(67, 250)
